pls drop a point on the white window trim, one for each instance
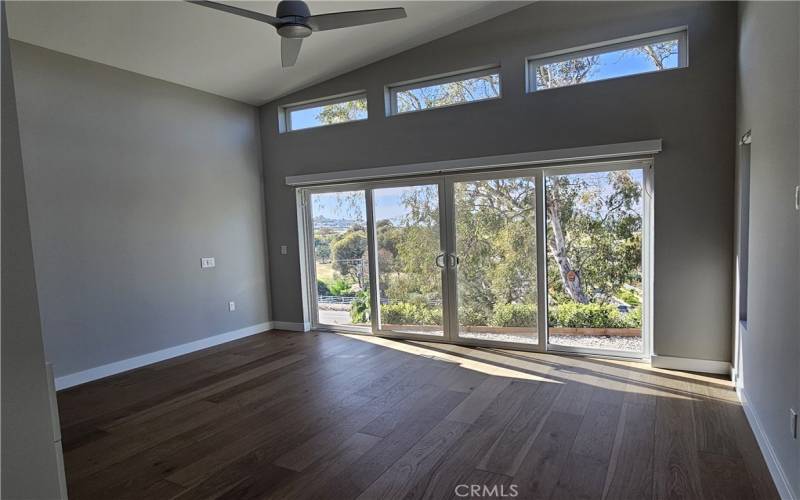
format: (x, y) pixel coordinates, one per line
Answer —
(392, 90)
(285, 110)
(457, 165)
(680, 33)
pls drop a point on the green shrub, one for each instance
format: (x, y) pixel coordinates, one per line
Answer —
(634, 318)
(472, 316)
(629, 297)
(575, 315)
(341, 288)
(403, 313)
(514, 315)
(360, 308)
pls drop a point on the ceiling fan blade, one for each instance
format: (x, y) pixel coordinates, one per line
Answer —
(290, 49)
(337, 20)
(258, 16)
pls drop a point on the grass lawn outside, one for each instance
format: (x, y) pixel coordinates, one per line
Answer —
(325, 272)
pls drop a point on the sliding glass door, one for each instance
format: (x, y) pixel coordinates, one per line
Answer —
(410, 259)
(537, 258)
(595, 249)
(340, 261)
(494, 244)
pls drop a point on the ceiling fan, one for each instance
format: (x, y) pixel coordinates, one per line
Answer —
(293, 21)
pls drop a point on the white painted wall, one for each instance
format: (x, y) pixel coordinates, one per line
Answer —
(30, 468)
(769, 105)
(131, 181)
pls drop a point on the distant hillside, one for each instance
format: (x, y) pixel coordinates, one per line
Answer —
(322, 222)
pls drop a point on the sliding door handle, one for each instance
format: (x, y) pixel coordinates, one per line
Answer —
(454, 260)
(439, 261)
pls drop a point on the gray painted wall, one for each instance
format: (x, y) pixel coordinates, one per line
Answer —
(769, 104)
(131, 181)
(692, 110)
(29, 465)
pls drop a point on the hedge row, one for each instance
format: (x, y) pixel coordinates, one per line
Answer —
(570, 315)
(403, 313)
(574, 315)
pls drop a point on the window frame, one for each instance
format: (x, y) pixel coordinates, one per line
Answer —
(392, 90)
(285, 110)
(680, 33)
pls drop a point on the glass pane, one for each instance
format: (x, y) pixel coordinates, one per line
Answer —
(445, 94)
(341, 258)
(594, 260)
(408, 243)
(615, 63)
(328, 114)
(495, 224)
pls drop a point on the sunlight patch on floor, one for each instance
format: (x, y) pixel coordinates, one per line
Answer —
(627, 376)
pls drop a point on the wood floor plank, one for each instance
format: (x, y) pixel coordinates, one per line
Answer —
(407, 471)
(164, 391)
(631, 470)
(426, 413)
(641, 388)
(97, 455)
(574, 398)
(260, 437)
(328, 470)
(478, 400)
(256, 483)
(331, 400)
(322, 415)
(585, 472)
(389, 420)
(758, 474)
(461, 379)
(392, 398)
(112, 395)
(539, 471)
(226, 433)
(713, 429)
(513, 443)
(676, 470)
(457, 466)
(581, 477)
(198, 393)
(598, 429)
(724, 477)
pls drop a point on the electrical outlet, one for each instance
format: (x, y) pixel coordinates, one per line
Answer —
(793, 422)
(231, 306)
(284, 249)
(207, 262)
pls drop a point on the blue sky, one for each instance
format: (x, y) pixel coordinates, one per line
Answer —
(352, 205)
(621, 63)
(307, 118)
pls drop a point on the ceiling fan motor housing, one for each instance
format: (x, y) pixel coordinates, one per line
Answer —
(293, 30)
(292, 15)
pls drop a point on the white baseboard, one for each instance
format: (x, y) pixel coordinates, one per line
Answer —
(773, 464)
(293, 327)
(690, 364)
(98, 372)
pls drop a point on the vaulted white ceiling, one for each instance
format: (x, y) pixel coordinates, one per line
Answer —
(225, 54)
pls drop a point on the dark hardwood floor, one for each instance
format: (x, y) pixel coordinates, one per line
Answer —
(320, 415)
